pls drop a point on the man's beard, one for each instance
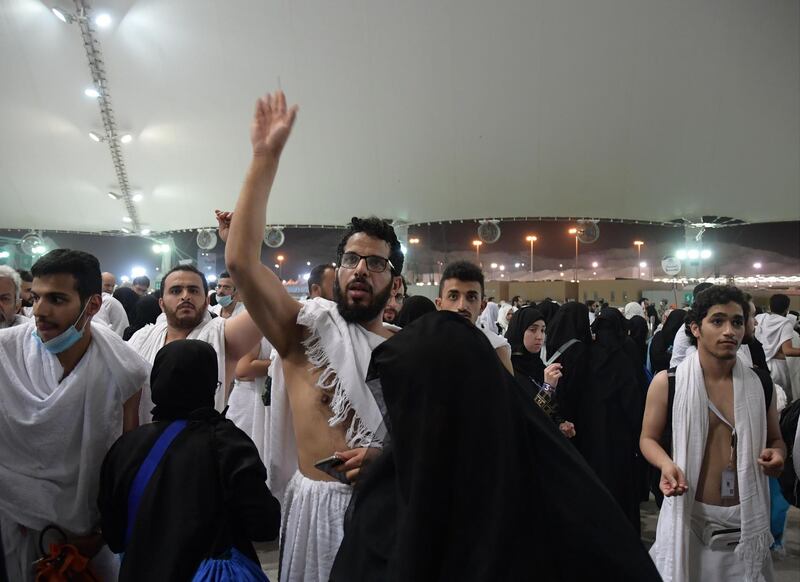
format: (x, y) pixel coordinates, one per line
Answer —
(361, 313)
(183, 322)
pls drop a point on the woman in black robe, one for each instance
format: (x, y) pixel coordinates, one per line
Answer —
(413, 308)
(661, 345)
(571, 321)
(475, 483)
(208, 493)
(128, 298)
(613, 412)
(526, 333)
(637, 329)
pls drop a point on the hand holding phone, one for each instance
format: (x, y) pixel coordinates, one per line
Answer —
(328, 466)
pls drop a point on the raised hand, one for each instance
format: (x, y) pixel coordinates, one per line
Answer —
(552, 374)
(272, 124)
(223, 223)
(771, 461)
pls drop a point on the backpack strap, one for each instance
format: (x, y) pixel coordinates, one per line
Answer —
(146, 470)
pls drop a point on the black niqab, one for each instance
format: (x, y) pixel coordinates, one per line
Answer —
(413, 308)
(548, 309)
(571, 321)
(476, 483)
(183, 379)
(637, 326)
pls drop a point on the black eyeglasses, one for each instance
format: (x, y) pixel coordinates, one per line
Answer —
(375, 263)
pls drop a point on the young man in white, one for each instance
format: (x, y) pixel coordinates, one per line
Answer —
(68, 389)
(714, 523)
(461, 291)
(775, 332)
(184, 301)
(228, 303)
(10, 298)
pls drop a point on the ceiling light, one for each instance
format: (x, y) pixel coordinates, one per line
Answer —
(126, 219)
(145, 231)
(138, 272)
(4, 254)
(95, 137)
(39, 250)
(113, 196)
(125, 230)
(680, 254)
(705, 254)
(127, 138)
(103, 20)
(60, 15)
(91, 92)
(643, 264)
(137, 197)
(756, 265)
(693, 254)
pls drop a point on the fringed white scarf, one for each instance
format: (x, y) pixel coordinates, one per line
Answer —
(689, 433)
(342, 352)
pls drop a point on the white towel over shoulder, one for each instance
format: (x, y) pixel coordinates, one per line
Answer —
(55, 432)
(689, 434)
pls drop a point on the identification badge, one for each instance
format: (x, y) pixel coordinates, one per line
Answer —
(728, 483)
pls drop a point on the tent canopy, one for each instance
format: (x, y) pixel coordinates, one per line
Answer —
(414, 110)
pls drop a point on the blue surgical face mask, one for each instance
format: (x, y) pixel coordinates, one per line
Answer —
(224, 300)
(64, 340)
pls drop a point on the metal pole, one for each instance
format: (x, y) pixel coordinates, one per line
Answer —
(531, 256)
(639, 248)
(576, 258)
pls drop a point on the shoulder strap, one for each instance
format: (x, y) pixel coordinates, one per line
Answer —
(766, 384)
(666, 437)
(146, 471)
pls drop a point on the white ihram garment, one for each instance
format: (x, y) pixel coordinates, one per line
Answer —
(246, 407)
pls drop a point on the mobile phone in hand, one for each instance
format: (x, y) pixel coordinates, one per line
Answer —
(329, 465)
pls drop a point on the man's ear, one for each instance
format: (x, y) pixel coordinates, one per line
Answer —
(397, 284)
(483, 304)
(94, 304)
(161, 303)
(438, 303)
(695, 329)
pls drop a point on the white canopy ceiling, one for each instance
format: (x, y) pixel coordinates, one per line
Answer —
(419, 110)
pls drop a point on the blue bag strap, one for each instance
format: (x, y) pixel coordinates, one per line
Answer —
(146, 471)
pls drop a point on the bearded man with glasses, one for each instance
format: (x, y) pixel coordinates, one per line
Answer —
(323, 417)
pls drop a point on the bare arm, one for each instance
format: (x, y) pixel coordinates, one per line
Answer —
(772, 457)
(241, 334)
(268, 302)
(789, 350)
(673, 481)
(250, 366)
(130, 412)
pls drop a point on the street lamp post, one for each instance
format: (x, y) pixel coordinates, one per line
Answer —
(280, 266)
(531, 239)
(477, 244)
(575, 232)
(638, 245)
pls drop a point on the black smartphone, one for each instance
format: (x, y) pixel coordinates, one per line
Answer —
(329, 465)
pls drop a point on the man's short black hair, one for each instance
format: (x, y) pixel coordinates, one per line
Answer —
(708, 298)
(143, 281)
(590, 302)
(224, 275)
(779, 303)
(188, 269)
(83, 266)
(463, 271)
(25, 275)
(700, 287)
(316, 275)
(376, 228)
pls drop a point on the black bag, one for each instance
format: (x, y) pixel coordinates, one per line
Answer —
(790, 485)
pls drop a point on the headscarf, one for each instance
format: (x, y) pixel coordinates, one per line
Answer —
(129, 298)
(548, 309)
(183, 379)
(488, 319)
(571, 321)
(637, 326)
(501, 316)
(632, 309)
(661, 346)
(524, 362)
(413, 308)
(147, 311)
(413, 512)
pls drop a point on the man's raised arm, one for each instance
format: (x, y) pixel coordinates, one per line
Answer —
(269, 304)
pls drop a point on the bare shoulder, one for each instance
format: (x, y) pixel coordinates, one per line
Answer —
(659, 388)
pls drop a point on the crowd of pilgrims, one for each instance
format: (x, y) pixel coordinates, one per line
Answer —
(157, 434)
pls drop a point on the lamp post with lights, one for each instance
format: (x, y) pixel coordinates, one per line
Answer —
(477, 245)
(575, 232)
(280, 258)
(531, 239)
(638, 244)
